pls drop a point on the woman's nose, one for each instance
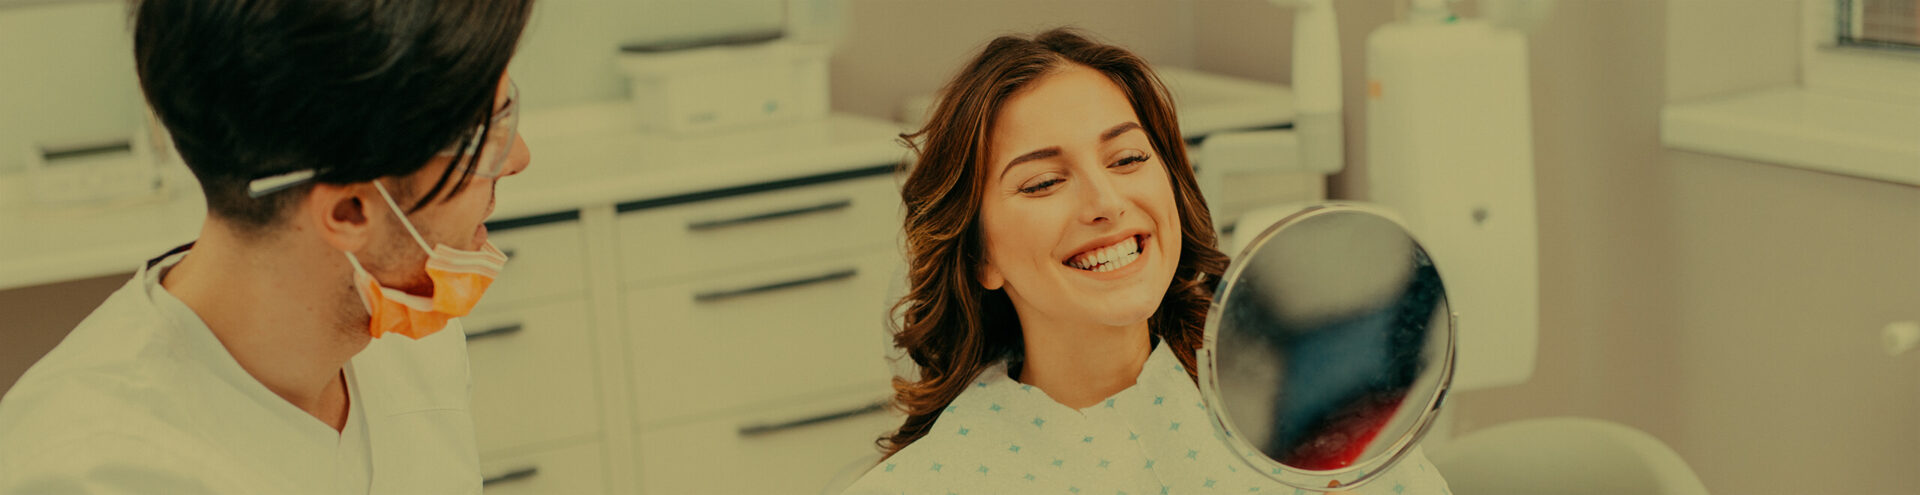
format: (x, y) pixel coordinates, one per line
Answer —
(1101, 200)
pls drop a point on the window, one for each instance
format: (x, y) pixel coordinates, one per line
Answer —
(1862, 48)
(1855, 112)
(1879, 24)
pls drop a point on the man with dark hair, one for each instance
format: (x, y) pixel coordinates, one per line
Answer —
(348, 152)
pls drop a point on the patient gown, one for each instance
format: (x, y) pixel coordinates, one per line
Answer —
(1153, 438)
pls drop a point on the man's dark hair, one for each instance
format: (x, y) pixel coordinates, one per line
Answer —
(355, 90)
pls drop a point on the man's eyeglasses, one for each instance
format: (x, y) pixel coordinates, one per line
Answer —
(487, 149)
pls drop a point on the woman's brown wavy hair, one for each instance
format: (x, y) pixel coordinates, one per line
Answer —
(949, 325)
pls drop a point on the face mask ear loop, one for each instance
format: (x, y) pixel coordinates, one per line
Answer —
(359, 271)
(403, 216)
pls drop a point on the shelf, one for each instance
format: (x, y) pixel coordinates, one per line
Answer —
(1793, 127)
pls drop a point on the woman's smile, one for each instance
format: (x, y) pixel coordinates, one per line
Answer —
(1112, 260)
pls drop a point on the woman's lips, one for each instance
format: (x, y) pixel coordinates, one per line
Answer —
(1116, 256)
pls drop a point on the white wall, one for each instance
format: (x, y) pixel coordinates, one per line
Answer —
(66, 74)
(896, 49)
(1729, 307)
(1785, 279)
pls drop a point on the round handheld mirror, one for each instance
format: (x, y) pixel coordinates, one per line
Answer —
(1328, 349)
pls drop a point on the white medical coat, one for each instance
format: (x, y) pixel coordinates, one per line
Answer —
(142, 398)
(1153, 438)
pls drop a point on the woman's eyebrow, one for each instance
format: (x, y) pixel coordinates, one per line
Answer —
(1116, 131)
(1053, 151)
(1039, 154)
(1106, 135)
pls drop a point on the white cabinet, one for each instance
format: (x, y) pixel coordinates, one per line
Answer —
(536, 391)
(546, 258)
(575, 469)
(760, 229)
(723, 335)
(755, 326)
(805, 453)
(759, 337)
(533, 376)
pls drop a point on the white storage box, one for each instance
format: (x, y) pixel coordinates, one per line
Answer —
(94, 171)
(726, 86)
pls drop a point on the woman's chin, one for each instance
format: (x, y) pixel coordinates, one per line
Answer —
(1127, 315)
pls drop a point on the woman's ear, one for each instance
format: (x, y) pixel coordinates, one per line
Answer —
(340, 214)
(990, 277)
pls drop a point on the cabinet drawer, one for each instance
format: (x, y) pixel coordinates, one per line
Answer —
(533, 375)
(760, 336)
(545, 259)
(580, 469)
(761, 229)
(714, 456)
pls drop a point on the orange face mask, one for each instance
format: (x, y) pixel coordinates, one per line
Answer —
(459, 279)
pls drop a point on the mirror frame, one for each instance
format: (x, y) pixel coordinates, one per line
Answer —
(1328, 480)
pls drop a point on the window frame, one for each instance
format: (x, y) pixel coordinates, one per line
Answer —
(1852, 71)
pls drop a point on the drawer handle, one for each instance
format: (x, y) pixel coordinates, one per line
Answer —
(500, 331)
(706, 225)
(724, 294)
(762, 429)
(514, 475)
(509, 252)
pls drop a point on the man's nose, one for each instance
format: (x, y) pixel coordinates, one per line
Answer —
(519, 158)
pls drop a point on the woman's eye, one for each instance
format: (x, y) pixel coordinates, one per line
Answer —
(1042, 186)
(1128, 161)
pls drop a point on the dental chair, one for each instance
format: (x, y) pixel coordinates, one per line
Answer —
(1563, 455)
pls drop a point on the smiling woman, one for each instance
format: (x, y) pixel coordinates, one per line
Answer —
(1062, 265)
(1082, 234)
(995, 224)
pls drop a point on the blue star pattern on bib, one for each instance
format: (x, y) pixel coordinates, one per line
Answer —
(1021, 441)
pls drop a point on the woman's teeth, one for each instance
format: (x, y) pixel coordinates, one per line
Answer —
(1109, 258)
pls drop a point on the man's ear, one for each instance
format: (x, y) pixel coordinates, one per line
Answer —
(339, 213)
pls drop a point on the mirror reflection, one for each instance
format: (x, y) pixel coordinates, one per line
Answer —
(1331, 343)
